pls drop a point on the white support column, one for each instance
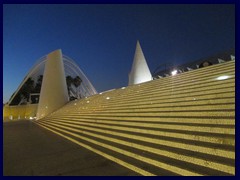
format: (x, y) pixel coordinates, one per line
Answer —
(53, 93)
(140, 72)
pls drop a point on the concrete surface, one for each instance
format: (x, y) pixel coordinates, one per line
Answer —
(29, 150)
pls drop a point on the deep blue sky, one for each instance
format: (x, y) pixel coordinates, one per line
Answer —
(102, 38)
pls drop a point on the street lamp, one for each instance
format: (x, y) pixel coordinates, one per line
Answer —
(174, 72)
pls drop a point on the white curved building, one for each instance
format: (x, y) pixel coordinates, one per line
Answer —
(48, 78)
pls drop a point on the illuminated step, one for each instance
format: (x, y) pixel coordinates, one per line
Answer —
(218, 71)
(181, 82)
(165, 137)
(192, 103)
(180, 114)
(128, 159)
(152, 82)
(189, 120)
(171, 79)
(171, 126)
(107, 99)
(171, 165)
(149, 90)
(171, 93)
(203, 72)
(190, 109)
(102, 153)
(183, 98)
(171, 109)
(139, 157)
(176, 155)
(201, 99)
(151, 86)
(178, 125)
(163, 90)
(204, 85)
(185, 77)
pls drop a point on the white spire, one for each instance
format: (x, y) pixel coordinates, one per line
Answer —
(140, 72)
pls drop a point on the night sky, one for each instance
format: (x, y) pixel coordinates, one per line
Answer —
(102, 38)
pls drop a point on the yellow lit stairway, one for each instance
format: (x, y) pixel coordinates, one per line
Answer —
(179, 125)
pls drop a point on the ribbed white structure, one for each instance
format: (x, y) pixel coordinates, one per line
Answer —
(54, 88)
(140, 72)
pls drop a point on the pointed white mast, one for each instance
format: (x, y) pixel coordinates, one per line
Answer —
(53, 93)
(140, 72)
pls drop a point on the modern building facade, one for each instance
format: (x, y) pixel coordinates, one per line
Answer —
(24, 103)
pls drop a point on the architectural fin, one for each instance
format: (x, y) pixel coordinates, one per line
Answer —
(140, 72)
(54, 92)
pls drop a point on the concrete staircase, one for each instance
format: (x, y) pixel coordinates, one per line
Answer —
(178, 125)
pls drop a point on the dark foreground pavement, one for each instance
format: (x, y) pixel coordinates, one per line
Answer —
(29, 150)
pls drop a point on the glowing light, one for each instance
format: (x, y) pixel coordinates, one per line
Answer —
(31, 117)
(174, 72)
(75, 104)
(222, 77)
(107, 97)
(123, 88)
(88, 101)
(46, 107)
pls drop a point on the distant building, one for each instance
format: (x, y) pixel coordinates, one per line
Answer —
(168, 69)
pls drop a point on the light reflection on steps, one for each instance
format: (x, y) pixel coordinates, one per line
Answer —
(181, 125)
